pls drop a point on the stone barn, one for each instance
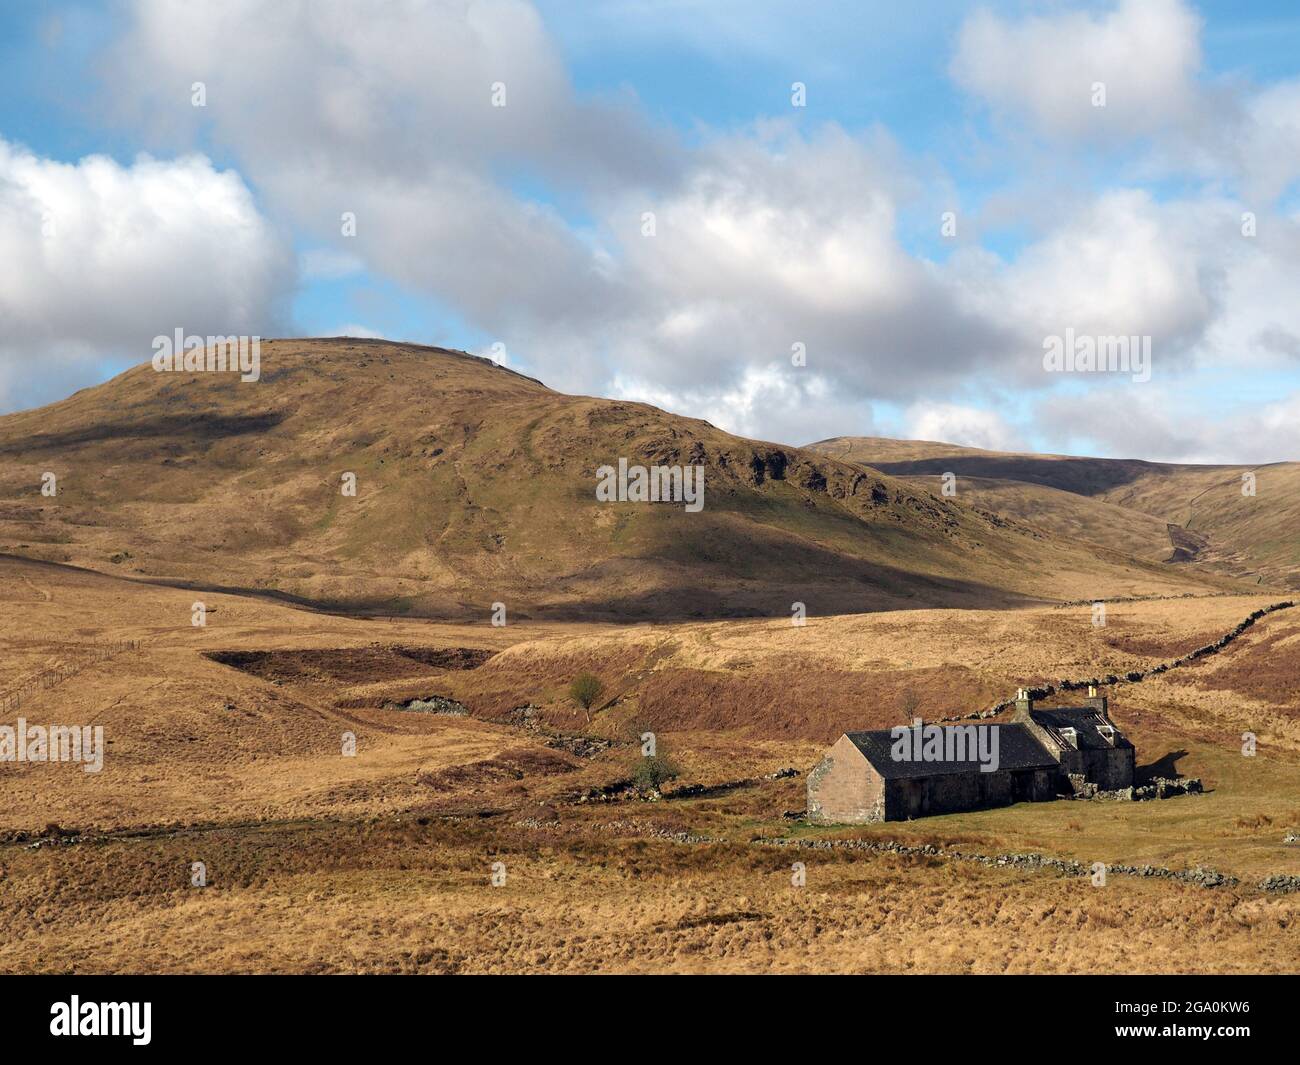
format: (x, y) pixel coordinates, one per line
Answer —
(919, 770)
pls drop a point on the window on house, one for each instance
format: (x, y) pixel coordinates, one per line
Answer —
(1070, 736)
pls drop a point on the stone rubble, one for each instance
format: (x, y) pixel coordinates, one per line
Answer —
(433, 704)
(525, 717)
(582, 746)
(1158, 788)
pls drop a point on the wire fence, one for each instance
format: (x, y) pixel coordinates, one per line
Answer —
(48, 678)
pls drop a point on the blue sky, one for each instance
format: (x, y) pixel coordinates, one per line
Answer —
(775, 224)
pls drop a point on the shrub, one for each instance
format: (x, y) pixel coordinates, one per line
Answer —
(585, 690)
(652, 773)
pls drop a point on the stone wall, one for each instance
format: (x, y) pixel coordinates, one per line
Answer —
(954, 792)
(844, 789)
(1135, 676)
(1110, 769)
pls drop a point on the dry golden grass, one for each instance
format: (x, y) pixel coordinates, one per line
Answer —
(381, 863)
(406, 898)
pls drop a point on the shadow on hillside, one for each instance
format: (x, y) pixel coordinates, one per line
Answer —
(205, 426)
(867, 589)
(858, 592)
(1166, 766)
(1085, 477)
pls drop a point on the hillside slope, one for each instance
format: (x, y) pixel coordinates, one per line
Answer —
(476, 485)
(1167, 511)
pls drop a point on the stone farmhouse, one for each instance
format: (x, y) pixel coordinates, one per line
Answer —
(916, 771)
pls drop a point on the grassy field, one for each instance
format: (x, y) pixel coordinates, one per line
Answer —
(383, 862)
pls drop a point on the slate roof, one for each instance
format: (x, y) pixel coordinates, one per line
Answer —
(1084, 720)
(1018, 748)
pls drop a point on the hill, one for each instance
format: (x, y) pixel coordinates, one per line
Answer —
(475, 485)
(1196, 515)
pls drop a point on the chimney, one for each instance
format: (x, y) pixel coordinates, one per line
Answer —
(1024, 702)
(1097, 702)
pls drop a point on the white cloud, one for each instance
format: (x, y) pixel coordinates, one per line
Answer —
(1163, 118)
(1267, 139)
(1119, 264)
(952, 423)
(360, 331)
(386, 111)
(1043, 67)
(1148, 423)
(772, 402)
(763, 238)
(97, 258)
(775, 238)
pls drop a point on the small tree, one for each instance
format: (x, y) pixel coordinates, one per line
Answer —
(652, 773)
(585, 690)
(652, 765)
(910, 704)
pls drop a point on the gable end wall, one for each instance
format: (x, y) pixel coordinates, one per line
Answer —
(844, 789)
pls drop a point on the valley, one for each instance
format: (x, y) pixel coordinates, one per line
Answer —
(340, 734)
